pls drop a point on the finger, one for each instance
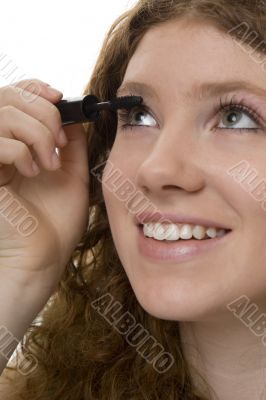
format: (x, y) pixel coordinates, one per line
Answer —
(39, 88)
(15, 124)
(46, 91)
(38, 107)
(17, 153)
(74, 156)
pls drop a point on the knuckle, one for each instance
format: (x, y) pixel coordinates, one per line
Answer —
(28, 89)
(31, 86)
(8, 111)
(8, 93)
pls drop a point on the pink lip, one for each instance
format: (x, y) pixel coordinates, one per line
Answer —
(146, 217)
(177, 251)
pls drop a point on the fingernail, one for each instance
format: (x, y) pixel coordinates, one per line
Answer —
(55, 160)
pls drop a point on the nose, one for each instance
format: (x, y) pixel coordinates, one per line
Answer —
(173, 164)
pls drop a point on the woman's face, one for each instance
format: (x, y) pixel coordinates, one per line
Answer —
(177, 155)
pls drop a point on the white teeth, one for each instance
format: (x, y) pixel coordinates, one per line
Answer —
(164, 231)
(211, 232)
(158, 232)
(186, 232)
(148, 229)
(172, 232)
(198, 232)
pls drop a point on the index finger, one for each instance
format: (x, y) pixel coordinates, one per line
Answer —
(36, 87)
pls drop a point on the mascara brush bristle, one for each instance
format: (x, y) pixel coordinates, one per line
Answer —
(125, 102)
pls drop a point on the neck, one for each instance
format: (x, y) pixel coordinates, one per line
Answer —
(230, 357)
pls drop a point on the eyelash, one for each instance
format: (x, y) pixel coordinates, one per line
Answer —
(224, 105)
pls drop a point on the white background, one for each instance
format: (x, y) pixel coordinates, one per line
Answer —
(55, 41)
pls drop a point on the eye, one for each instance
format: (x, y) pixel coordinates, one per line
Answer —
(233, 115)
(137, 116)
(238, 116)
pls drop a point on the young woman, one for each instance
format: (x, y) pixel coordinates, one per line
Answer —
(134, 312)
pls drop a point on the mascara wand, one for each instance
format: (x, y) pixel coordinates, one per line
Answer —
(87, 108)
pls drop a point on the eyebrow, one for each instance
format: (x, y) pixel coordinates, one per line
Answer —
(199, 91)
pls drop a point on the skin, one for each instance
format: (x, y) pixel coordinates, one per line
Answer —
(177, 158)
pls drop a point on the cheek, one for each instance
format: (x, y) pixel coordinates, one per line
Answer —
(248, 188)
(243, 187)
(117, 187)
(119, 172)
(119, 175)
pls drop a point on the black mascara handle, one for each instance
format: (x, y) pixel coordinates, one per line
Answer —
(75, 110)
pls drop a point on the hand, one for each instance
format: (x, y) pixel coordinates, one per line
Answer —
(55, 200)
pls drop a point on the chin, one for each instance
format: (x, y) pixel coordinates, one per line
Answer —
(164, 305)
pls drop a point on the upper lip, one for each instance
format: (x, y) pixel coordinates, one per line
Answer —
(146, 217)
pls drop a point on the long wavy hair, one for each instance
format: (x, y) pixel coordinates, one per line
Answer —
(80, 356)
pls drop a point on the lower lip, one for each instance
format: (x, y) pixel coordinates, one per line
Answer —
(183, 250)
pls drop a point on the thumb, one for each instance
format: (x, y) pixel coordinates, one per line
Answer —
(74, 155)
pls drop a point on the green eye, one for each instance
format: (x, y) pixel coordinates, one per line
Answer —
(238, 117)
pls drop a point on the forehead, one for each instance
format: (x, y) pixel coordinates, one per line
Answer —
(182, 53)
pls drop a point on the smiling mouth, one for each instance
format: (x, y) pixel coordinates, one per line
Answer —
(188, 236)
